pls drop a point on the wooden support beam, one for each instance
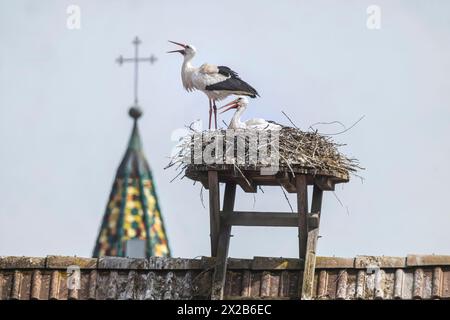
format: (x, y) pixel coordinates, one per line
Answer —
(285, 181)
(247, 184)
(262, 219)
(302, 209)
(313, 222)
(316, 209)
(220, 269)
(324, 183)
(316, 204)
(214, 208)
(204, 181)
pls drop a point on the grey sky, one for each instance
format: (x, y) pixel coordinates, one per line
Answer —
(64, 123)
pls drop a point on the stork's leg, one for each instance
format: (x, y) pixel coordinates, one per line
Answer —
(215, 113)
(210, 113)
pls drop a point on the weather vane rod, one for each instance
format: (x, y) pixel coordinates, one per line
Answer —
(120, 60)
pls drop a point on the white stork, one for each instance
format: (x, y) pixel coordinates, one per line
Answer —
(240, 104)
(217, 82)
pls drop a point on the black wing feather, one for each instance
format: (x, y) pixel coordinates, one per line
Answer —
(233, 83)
(227, 72)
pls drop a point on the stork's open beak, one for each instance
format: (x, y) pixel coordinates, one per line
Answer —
(182, 51)
(232, 105)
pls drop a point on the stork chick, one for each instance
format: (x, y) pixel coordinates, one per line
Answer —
(240, 104)
(217, 82)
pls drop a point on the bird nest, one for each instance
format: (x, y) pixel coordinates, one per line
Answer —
(285, 150)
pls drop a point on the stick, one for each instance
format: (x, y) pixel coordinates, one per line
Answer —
(289, 119)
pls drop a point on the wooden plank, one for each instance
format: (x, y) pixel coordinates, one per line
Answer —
(311, 244)
(262, 219)
(302, 209)
(220, 270)
(214, 208)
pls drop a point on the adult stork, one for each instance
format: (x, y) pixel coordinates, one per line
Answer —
(240, 104)
(217, 82)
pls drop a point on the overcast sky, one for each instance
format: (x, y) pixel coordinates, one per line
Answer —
(64, 124)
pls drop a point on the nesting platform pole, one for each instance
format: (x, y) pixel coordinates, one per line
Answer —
(305, 219)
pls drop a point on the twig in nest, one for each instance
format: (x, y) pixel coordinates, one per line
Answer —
(179, 174)
(201, 197)
(340, 202)
(321, 123)
(289, 119)
(243, 175)
(289, 165)
(191, 124)
(293, 149)
(343, 131)
(287, 199)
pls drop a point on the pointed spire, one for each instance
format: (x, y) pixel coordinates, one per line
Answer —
(132, 211)
(135, 139)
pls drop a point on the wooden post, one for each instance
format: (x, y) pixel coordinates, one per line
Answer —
(220, 269)
(316, 205)
(214, 208)
(302, 208)
(313, 233)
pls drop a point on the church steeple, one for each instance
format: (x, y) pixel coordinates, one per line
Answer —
(132, 211)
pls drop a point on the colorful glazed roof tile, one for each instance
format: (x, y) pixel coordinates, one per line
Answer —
(132, 211)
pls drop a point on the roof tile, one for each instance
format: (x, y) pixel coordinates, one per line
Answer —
(413, 260)
(364, 262)
(164, 263)
(334, 262)
(61, 262)
(21, 263)
(267, 263)
(115, 263)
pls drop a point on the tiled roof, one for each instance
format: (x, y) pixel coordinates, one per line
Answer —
(363, 277)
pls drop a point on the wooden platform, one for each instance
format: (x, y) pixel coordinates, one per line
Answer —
(249, 178)
(306, 218)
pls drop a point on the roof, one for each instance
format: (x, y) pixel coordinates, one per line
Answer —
(363, 277)
(132, 211)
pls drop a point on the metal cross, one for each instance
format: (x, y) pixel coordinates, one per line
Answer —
(120, 60)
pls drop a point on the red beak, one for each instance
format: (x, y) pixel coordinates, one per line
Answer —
(182, 51)
(232, 105)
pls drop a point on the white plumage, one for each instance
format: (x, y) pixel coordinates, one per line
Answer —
(240, 104)
(217, 82)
